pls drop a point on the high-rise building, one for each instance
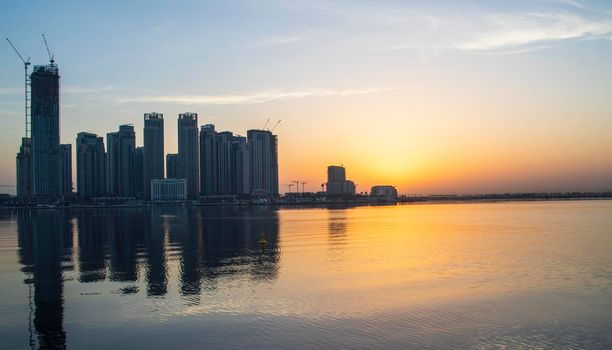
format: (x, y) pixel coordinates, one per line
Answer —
(337, 184)
(139, 161)
(91, 165)
(240, 166)
(65, 175)
(120, 161)
(208, 160)
(172, 165)
(153, 149)
(224, 163)
(188, 150)
(45, 119)
(24, 169)
(263, 147)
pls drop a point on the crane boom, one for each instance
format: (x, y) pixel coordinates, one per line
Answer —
(51, 57)
(275, 125)
(25, 62)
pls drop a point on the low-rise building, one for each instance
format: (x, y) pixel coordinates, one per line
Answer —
(384, 191)
(169, 189)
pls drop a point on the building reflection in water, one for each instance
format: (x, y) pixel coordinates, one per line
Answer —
(45, 250)
(136, 246)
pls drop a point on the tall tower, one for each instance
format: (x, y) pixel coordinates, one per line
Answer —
(240, 166)
(121, 149)
(263, 147)
(24, 169)
(188, 150)
(45, 114)
(91, 163)
(153, 150)
(208, 160)
(65, 174)
(224, 162)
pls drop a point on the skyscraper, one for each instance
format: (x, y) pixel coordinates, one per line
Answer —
(120, 161)
(240, 166)
(153, 149)
(24, 169)
(91, 165)
(65, 174)
(224, 162)
(188, 150)
(45, 114)
(208, 160)
(172, 165)
(139, 159)
(337, 184)
(263, 162)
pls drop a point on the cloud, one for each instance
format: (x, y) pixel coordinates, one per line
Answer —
(252, 98)
(76, 89)
(274, 42)
(508, 30)
(431, 31)
(11, 91)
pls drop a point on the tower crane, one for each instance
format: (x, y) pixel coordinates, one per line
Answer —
(266, 124)
(275, 125)
(290, 185)
(51, 57)
(26, 63)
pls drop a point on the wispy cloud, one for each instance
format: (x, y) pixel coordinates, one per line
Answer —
(433, 31)
(76, 89)
(274, 42)
(251, 98)
(11, 91)
(508, 30)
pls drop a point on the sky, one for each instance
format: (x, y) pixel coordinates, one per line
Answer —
(432, 97)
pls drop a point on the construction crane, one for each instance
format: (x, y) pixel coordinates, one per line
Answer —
(275, 125)
(297, 185)
(303, 183)
(26, 63)
(289, 186)
(51, 57)
(266, 124)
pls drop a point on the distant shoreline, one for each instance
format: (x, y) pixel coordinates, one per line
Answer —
(313, 204)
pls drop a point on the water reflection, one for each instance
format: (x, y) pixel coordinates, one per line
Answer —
(45, 241)
(137, 248)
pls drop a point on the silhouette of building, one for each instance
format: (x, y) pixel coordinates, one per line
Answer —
(65, 178)
(384, 191)
(24, 169)
(45, 119)
(337, 184)
(120, 161)
(224, 163)
(240, 166)
(91, 165)
(263, 169)
(139, 183)
(172, 165)
(188, 151)
(208, 160)
(168, 189)
(153, 149)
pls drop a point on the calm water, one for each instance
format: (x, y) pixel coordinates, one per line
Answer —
(475, 276)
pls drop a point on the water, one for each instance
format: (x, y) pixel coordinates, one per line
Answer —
(470, 276)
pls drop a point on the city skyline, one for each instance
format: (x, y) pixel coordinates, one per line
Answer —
(390, 106)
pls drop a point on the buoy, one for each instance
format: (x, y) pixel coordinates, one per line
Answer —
(262, 239)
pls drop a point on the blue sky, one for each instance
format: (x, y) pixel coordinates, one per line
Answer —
(405, 86)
